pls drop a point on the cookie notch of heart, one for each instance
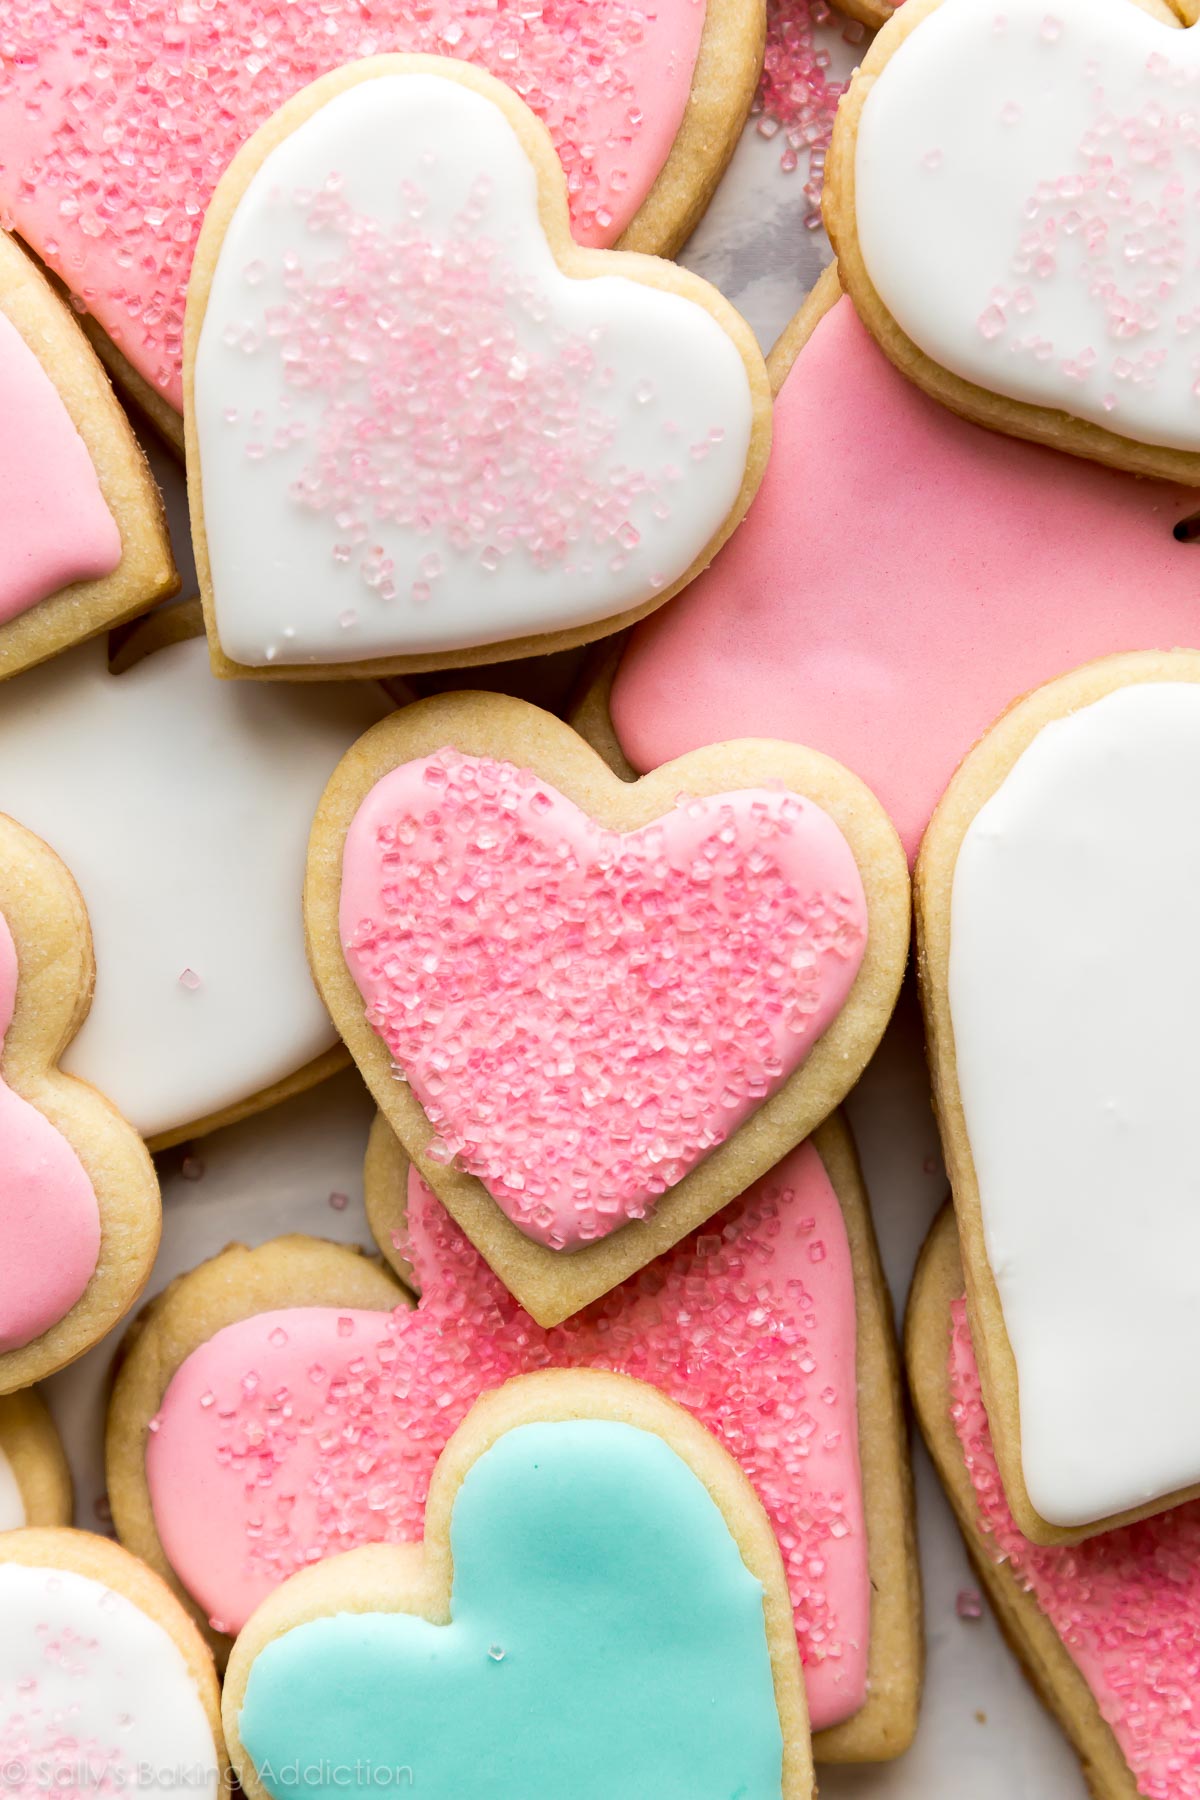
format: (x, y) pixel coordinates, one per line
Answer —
(79, 1197)
(733, 1114)
(687, 73)
(1063, 1081)
(1104, 1630)
(371, 493)
(971, 202)
(610, 1490)
(85, 540)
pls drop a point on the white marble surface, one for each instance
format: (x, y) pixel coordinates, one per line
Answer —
(982, 1734)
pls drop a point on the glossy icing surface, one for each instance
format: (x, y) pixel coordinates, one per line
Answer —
(602, 1620)
(870, 606)
(192, 885)
(1074, 986)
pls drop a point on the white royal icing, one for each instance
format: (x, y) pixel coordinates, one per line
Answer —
(182, 806)
(94, 1694)
(12, 1506)
(1025, 193)
(610, 375)
(1074, 987)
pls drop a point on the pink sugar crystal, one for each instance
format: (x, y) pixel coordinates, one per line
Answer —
(585, 1015)
(118, 116)
(733, 1323)
(1126, 1604)
(796, 94)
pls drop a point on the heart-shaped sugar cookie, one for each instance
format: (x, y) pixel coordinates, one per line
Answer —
(425, 428)
(1009, 195)
(594, 1012)
(598, 1588)
(1061, 981)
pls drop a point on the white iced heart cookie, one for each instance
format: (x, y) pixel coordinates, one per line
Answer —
(1061, 982)
(424, 428)
(183, 806)
(1012, 201)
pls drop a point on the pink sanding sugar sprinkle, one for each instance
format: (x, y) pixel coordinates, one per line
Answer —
(731, 1324)
(796, 94)
(450, 407)
(118, 116)
(584, 1015)
(1126, 1604)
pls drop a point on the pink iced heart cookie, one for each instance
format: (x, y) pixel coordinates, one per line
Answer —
(585, 1006)
(1109, 1629)
(232, 1491)
(116, 123)
(1008, 193)
(424, 427)
(84, 540)
(890, 620)
(79, 1207)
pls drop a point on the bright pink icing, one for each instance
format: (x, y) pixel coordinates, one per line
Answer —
(583, 1014)
(298, 1433)
(55, 527)
(116, 120)
(901, 577)
(49, 1220)
(1126, 1604)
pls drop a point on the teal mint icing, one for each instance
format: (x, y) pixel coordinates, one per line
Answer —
(607, 1643)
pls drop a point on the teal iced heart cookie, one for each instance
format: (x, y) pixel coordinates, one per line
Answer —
(605, 1638)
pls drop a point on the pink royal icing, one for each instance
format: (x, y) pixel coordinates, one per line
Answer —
(298, 1433)
(55, 525)
(900, 577)
(585, 1014)
(1126, 1604)
(49, 1219)
(117, 120)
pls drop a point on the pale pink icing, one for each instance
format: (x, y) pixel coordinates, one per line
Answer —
(1126, 1604)
(55, 526)
(585, 1015)
(302, 1432)
(49, 1220)
(901, 577)
(116, 120)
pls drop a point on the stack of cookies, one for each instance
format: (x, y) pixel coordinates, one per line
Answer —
(578, 1467)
